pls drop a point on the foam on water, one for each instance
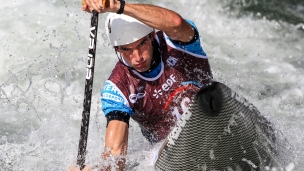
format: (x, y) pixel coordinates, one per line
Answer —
(43, 53)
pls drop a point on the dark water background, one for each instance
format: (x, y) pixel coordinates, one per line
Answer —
(291, 11)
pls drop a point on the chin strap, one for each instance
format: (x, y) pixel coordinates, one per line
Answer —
(122, 61)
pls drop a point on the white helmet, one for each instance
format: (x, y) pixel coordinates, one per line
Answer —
(122, 29)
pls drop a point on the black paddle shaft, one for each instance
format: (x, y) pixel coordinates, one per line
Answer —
(88, 92)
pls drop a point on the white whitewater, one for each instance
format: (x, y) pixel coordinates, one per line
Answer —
(43, 52)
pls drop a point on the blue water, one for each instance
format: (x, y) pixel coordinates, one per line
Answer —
(43, 52)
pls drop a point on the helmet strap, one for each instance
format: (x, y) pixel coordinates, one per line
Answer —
(122, 61)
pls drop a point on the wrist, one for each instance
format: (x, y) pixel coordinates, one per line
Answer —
(120, 6)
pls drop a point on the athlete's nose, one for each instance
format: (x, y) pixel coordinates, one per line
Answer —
(137, 55)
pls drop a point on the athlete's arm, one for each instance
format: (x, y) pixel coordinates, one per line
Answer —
(194, 45)
(116, 142)
(75, 168)
(157, 17)
(117, 112)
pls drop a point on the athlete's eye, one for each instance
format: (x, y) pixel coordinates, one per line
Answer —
(124, 49)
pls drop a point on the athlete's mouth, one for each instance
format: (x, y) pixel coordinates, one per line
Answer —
(140, 64)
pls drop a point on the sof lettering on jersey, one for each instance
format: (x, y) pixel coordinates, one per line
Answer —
(159, 101)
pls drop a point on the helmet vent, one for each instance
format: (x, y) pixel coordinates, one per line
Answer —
(109, 26)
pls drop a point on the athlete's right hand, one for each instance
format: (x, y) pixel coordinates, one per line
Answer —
(74, 168)
(100, 6)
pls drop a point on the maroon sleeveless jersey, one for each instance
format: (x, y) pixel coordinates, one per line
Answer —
(158, 102)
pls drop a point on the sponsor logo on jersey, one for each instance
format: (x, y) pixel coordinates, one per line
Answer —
(134, 97)
(110, 88)
(171, 61)
(110, 92)
(112, 97)
(157, 93)
(165, 87)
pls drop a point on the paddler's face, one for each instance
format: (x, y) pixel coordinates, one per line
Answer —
(138, 54)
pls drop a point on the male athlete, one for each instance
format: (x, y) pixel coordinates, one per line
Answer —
(161, 67)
